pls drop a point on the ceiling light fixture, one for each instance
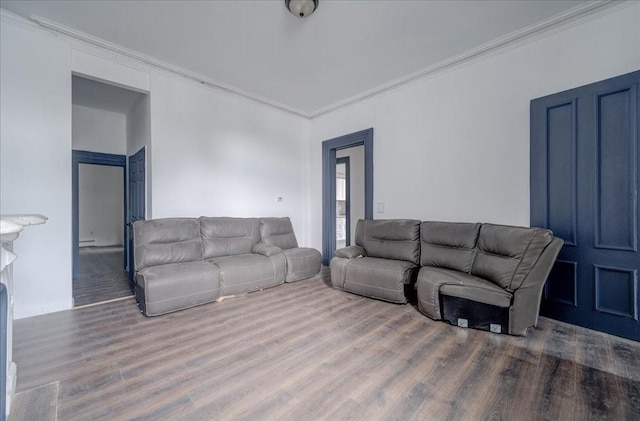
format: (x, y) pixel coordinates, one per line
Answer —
(301, 8)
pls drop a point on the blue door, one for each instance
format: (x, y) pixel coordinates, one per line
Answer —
(584, 186)
(137, 199)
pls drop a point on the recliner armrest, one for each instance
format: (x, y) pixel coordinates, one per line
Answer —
(350, 252)
(265, 249)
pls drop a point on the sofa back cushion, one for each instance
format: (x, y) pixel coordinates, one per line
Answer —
(506, 254)
(224, 236)
(448, 245)
(397, 239)
(163, 241)
(278, 232)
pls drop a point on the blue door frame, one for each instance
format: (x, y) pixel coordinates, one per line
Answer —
(137, 200)
(95, 158)
(329, 149)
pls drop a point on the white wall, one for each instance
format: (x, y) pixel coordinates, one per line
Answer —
(101, 204)
(100, 188)
(455, 146)
(99, 130)
(35, 163)
(219, 155)
(209, 152)
(356, 185)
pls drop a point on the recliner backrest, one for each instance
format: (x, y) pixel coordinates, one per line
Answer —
(449, 245)
(225, 236)
(506, 254)
(397, 239)
(278, 232)
(163, 241)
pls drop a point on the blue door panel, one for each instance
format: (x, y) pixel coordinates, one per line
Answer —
(584, 186)
(615, 202)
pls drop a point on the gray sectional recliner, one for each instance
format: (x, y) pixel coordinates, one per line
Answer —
(477, 275)
(184, 262)
(384, 260)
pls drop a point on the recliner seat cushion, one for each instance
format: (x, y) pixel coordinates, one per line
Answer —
(278, 232)
(166, 241)
(448, 245)
(177, 286)
(395, 239)
(302, 263)
(477, 289)
(245, 273)
(506, 254)
(434, 281)
(383, 279)
(224, 236)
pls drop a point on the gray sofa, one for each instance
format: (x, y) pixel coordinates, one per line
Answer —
(184, 262)
(474, 275)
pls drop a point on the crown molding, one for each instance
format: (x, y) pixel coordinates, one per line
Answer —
(204, 80)
(524, 34)
(529, 33)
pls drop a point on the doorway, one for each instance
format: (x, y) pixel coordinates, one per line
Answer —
(343, 203)
(584, 186)
(99, 210)
(330, 150)
(108, 123)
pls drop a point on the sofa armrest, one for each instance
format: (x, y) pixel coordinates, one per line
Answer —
(350, 252)
(265, 249)
(526, 299)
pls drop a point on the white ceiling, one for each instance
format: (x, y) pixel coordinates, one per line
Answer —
(344, 50)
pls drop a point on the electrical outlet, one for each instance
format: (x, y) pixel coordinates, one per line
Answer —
(380, 207)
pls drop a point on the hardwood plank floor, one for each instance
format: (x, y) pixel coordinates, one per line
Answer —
(35, 404)
(309, 352)
(101, 276)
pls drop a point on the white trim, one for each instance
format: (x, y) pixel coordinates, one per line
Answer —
(97, 42)
(491, 47)
(521, 35)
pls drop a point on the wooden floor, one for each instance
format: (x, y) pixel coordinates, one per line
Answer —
(101, 276)
(304, 351)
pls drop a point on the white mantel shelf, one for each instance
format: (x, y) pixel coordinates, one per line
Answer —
(11, 225)
(9, 231)
(10, 228)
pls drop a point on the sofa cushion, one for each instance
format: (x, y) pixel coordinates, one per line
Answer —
(165, 241)
(176, 286)
(246, 272)
(278, 232)
(223, 236)
(448, 245)
(506, 254)
(383, 279)
(302, 263)
(397, 239)
(477, 289)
